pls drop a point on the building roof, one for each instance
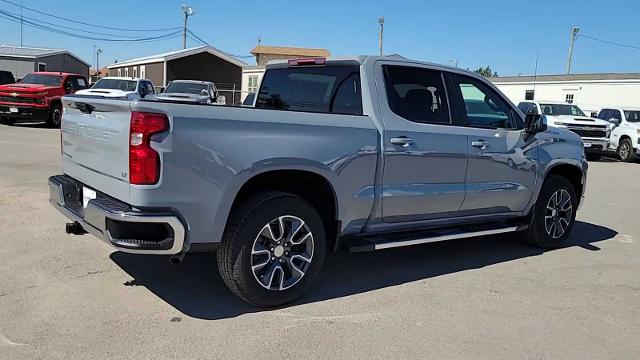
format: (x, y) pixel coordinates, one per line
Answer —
(570, 77)
(293, 51)
(171, 55)
(33, 53)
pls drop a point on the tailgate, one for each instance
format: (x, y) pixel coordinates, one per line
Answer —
(95, 143)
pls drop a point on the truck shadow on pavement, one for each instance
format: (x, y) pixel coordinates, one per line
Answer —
(195, 288)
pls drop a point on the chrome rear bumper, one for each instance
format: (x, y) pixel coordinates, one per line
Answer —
(111, 220)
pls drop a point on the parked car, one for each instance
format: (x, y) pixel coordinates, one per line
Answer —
(193, 91)
(6, 77)
(625, 133)
(594, 132)
(37, 97)
(120, 87)
(367, 153)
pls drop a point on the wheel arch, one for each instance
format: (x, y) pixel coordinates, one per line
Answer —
(311, 184)
(571, 172)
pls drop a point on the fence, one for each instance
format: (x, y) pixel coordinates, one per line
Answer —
(231, 93)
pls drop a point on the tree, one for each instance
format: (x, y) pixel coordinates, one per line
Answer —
(486, 72)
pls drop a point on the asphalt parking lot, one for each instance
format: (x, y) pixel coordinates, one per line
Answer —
(72, 297)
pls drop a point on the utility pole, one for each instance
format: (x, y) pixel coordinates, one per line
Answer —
(188, 11)
(574, 34)
(21, 8)
(98, 52)
(381, 22)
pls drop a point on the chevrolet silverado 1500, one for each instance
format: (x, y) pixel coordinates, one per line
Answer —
(365, 153)
(37, 97)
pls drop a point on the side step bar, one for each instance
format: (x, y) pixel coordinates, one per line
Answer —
(435, 236)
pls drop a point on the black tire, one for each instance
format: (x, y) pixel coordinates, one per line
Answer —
(593, 157)
(6, 121)
(243, 235)
(541, 231)
(55, 116)
(625, 151)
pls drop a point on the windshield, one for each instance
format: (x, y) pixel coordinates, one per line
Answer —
(632, 116)
(49, 80)
(116, 84)
(561, 109)
(185, 88)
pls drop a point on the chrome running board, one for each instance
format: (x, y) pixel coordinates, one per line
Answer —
(435, 236)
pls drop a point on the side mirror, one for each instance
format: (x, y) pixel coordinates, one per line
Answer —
(143, 91)
(534, 123)
(67, 86)
(594, 115)
(615, 121)
(221, 99)
(161, 90)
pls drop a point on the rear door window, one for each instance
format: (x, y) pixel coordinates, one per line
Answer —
(323, 89)
(417, 94)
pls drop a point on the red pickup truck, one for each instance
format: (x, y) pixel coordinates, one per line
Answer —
(37, 97)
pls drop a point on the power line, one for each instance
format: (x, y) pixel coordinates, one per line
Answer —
(14, 15)
(609, 42)
(203, 42)
(84, 23)
(10, 17)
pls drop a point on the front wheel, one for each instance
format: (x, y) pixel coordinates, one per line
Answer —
(625, 151)
(554, 213)
(55, 116)
(272, 250)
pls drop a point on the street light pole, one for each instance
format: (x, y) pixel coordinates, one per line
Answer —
(574, 34)
(381, 22)
(188, 11)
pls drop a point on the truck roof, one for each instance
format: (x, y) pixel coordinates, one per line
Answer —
(122, 78)
(58, 73)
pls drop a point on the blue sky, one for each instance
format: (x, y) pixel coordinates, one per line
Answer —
(503, 34)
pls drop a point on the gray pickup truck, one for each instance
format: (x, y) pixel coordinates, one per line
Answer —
(364, 153)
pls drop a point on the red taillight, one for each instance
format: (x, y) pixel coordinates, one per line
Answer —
(144, 162)
(307, 61)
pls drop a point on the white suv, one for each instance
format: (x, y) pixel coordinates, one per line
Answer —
(120, 87)
(625, 132)
(594, 132)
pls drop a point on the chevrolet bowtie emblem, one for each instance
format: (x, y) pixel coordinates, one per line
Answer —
(14, 94)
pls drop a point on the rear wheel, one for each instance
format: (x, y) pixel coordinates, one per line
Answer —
(55, 116)
(272, 249)
(625, 151)
(554, 213)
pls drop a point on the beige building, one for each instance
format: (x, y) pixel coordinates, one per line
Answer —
(265, 54)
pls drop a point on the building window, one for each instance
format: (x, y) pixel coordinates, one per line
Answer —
(42, 66)
(529, 94)
(135, 71)
(119, 72)
(568, 98)
(126, 72)
(253, 84)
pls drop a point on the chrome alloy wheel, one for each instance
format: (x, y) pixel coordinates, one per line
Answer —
(282, 253)
(558, 213)
(624, 150)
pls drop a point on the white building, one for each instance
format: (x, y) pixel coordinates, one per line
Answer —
(251, 78)
(589, 91)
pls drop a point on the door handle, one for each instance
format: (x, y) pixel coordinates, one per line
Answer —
(402, 141)
(480, 144)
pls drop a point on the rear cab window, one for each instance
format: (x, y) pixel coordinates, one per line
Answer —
(330, 88)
